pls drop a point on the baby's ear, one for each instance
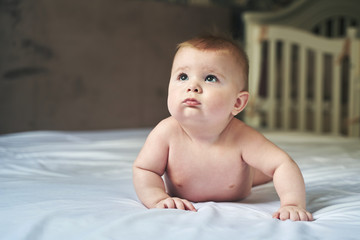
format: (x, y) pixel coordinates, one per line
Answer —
(241, 101)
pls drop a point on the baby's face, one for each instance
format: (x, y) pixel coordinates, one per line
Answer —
(204, 85)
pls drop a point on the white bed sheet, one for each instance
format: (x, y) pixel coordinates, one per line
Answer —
(77, 185)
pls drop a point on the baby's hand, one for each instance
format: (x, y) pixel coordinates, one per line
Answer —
(177, 203)
(293, 213)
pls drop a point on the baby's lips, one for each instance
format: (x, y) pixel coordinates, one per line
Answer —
(191, 102)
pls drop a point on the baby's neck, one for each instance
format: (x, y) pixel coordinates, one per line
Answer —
(206, 134)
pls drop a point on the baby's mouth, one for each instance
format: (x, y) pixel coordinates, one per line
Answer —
(191, 102)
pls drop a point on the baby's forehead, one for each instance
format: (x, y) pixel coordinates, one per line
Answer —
(189, 56)
(187, 51)
(204, 50)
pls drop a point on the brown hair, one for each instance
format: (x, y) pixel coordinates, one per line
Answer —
(211, 42)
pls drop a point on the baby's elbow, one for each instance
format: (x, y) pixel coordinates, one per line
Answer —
(137, 169)
(288, 165)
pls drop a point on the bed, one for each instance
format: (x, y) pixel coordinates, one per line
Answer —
(78, 185)
(305, 67)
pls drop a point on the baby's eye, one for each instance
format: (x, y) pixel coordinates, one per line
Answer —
(183, 77)
(211, 78)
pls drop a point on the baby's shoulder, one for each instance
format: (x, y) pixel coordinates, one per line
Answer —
(168, 123)
(165, 128)
(246, 134)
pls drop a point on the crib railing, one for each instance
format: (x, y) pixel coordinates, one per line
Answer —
(335, 26)
(304, 82)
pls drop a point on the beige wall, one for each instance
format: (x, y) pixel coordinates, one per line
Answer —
(97, 64)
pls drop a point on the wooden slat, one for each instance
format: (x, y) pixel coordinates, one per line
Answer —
(354, 85)
(272, 84)
(302, 86)
(254, 48)
(335, 98)
(318, 110)
(286, 99)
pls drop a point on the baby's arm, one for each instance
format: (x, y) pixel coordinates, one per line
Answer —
(290, 186)
(287, 177)
(148, 168)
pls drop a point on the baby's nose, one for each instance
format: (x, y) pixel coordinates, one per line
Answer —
(195, 89)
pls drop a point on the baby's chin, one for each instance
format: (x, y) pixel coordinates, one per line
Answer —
(184, 118)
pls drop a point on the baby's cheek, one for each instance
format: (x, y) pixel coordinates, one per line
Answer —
(171, 103)
(222, 107)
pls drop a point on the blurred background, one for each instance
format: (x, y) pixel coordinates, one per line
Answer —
(100, 64)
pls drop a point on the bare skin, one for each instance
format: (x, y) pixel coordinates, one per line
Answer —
(204, 153)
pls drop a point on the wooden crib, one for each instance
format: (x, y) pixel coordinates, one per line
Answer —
(305, 67)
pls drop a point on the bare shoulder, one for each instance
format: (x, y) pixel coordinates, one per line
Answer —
(165, 129)
(153, 155)
(247, 135)
(258, 151)
(252, 142)
(161, 136)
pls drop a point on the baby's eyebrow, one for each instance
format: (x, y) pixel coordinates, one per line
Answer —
(176, 71)
(215, 72)
(181, 69)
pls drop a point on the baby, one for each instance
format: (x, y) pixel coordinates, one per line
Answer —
(203, 151)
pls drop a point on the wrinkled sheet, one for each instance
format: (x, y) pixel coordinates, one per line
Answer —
(78, 185)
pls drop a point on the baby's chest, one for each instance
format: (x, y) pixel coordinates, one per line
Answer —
(219, 164)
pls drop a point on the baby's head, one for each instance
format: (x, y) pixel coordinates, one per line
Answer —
(222, 44)
(208, 80)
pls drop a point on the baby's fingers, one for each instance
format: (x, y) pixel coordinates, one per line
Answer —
(179, 204)
(176, 203)
(284, 215)
(303, 216)
(300, 215)
(166, 203)
(183, 204)
(188, 205)
(308, 216)
(293, 214)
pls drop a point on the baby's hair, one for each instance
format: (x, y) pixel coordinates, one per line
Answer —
(211, 42)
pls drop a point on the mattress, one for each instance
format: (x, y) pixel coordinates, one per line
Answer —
(78, 185)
